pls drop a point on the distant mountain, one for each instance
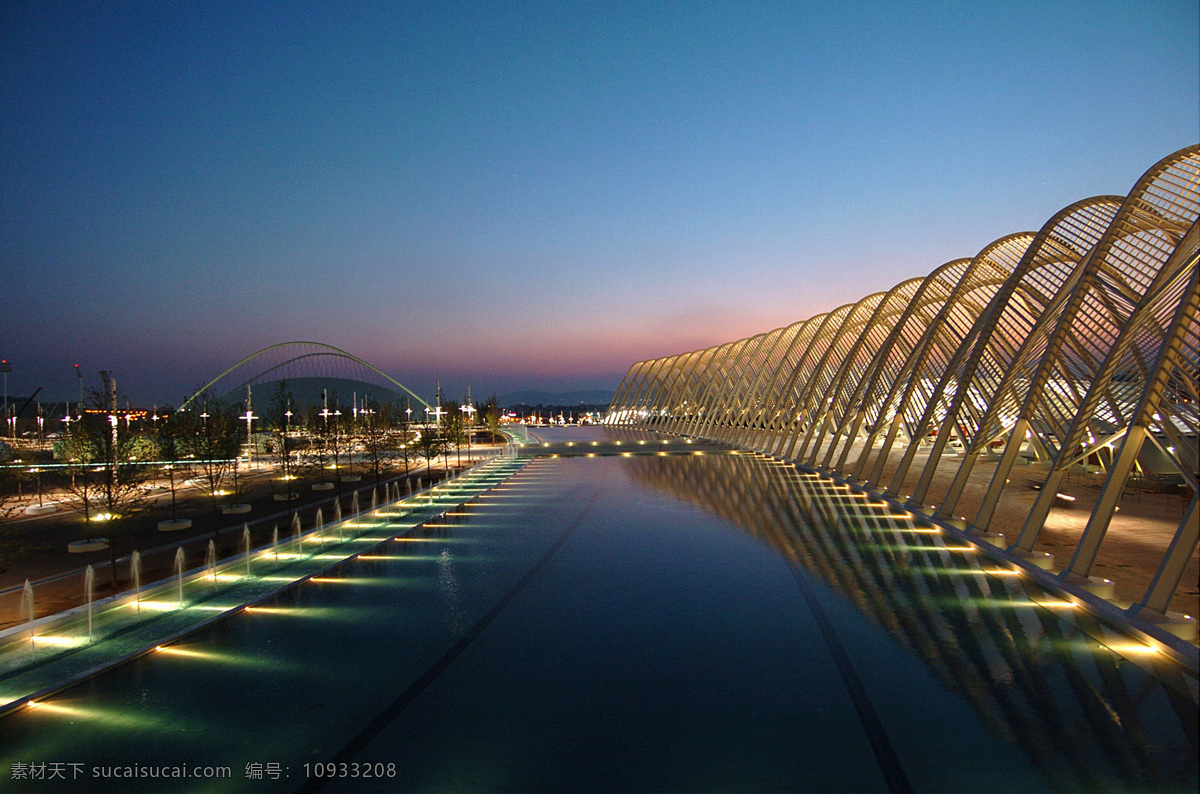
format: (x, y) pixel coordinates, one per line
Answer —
(534, 397)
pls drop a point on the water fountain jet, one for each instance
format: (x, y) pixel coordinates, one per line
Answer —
(246, 540)
(179, 573)
(210, 561)
(89, 586)
(135, 575)
(27, 608)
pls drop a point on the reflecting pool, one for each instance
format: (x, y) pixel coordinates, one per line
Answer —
(716, 622)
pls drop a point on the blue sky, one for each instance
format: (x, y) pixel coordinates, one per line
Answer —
(534, 195)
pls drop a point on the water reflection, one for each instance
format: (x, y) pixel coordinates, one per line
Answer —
(1089, 706)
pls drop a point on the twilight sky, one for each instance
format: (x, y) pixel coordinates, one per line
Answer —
(534, 194)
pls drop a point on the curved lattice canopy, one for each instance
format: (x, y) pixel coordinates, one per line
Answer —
(1075, 347)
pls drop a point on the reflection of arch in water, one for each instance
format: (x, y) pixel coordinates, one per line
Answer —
(300, 360)
(1040, 680)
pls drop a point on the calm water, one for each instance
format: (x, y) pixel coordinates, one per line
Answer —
(687, 623)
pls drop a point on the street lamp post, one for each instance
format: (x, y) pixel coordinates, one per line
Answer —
(6, 368)
(469, 410)
(249, 417)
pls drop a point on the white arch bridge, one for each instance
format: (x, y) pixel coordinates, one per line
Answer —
(299, 362)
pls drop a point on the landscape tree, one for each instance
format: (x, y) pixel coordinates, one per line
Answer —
(491, 417)
(279, 420)
(169, 437)
(453, 427)
(429, 445)
(403, 414)
(115, 454)
(212, 441)
(79, 453)
(10, 485)
(335, 441)
(380, 444)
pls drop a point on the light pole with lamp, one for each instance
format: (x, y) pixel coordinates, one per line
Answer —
(6, 367)
(437, 414)
(404, 443)
(469, 410)
(249, 416)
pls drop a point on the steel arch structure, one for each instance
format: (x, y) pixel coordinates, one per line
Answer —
(285, 359)
(1076, 343)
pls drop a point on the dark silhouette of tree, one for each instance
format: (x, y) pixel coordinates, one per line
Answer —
(211, 440)
(380, 444)
(279, 420)
(429, 446)
(111, 459)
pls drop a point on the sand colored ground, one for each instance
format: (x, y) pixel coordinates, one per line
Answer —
(1133, 546)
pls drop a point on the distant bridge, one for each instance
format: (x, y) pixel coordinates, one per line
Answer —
(297, 361)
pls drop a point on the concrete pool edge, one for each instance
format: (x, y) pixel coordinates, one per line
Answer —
(24, 699)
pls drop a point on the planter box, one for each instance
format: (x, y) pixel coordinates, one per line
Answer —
(84, 546)
(40, 510)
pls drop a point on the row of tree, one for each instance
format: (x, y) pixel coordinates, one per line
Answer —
(109, 457)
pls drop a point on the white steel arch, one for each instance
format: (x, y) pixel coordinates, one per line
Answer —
(1077, 343)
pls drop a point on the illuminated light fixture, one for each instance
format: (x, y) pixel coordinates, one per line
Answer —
(1132, 648)
(273, 610)
(959, 548)
(159, 606)
(1065, 497)
(324, 579)
(65, 642)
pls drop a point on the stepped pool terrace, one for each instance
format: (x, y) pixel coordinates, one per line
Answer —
(659, 617)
